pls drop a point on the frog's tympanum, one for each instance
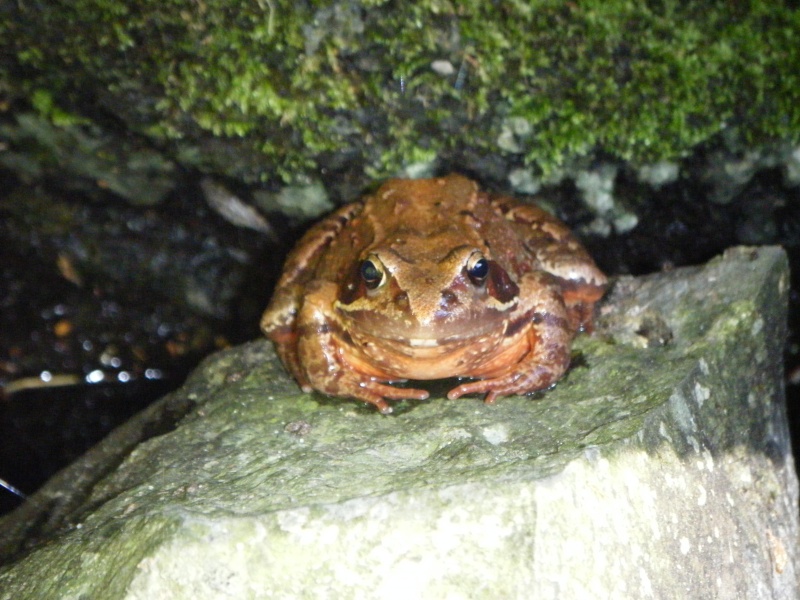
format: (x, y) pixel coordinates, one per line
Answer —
(430, 279)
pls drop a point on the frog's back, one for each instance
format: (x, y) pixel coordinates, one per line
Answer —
(425, 206)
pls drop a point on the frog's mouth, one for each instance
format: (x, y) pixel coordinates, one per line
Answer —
(441, 330)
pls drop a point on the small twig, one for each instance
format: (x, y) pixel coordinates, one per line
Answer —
(32, 383)
(12, 489)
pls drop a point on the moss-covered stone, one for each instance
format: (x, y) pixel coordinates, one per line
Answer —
(49, 144)
(292, 87)
(663, 456)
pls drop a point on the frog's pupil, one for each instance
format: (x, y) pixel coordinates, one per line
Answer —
(370, 274)
(479, 270)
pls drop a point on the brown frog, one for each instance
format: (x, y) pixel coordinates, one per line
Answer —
(429, 279)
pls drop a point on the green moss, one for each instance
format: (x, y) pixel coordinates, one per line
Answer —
(44, 103)
(298, 82)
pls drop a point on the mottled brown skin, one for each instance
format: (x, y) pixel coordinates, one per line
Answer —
(429, 279)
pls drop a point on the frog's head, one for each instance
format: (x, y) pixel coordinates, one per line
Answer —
(421, 294)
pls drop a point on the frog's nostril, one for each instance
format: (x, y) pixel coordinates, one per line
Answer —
(448, 300)
(401, 299)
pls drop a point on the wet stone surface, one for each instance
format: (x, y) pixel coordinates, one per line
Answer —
(662, 456)
(132, 297)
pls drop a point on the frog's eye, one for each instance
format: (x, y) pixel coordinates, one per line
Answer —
(371, 272)
(477, 268)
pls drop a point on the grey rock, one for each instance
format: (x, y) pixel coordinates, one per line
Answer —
(597, 187)
(659, 174)
(660, 467)
(729, 170)
(181, 256)
(86, 158)
(298, 202)
(523, 181)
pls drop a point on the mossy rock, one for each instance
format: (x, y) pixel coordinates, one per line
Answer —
(660, 466)
(279, 90)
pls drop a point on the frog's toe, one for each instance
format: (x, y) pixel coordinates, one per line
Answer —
(493, 388)
(377, 393)
(507, 385)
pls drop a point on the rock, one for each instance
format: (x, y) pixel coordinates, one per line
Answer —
(660, 467)
(180, 254)
(284, 92)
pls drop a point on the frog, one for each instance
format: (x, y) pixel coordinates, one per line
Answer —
(428, 279)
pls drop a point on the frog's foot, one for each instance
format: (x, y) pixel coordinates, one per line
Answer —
(515, 382)
(377, 393)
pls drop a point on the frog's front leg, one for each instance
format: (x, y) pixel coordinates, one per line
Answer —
(279, 324)
(547, 337)
(330, 359)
